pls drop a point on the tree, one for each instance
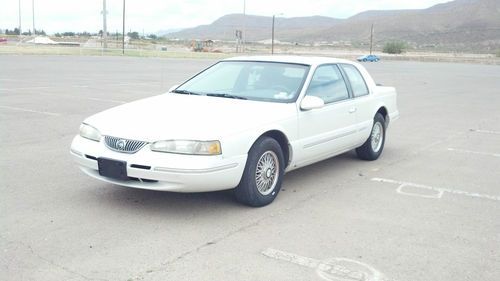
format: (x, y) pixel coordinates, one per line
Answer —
(153, 36)
(17, 31)
(394, 47)
(85, 34)
(133, 35)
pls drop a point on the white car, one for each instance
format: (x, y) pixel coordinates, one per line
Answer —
(239, 124)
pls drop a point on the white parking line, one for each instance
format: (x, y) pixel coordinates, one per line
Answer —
(333, 269)
(486, 132)
(133, 84)
(8, 79)
(107, 100)
(440, 190)
(30, 110)
(83, 98)
(437, 195)
(474, 152)
(25, 88)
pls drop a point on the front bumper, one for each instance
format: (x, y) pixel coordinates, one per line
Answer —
(162, 171)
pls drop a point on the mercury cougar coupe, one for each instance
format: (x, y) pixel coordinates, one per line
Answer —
(240, 124)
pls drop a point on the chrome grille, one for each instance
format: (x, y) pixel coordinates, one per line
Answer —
(123, 145)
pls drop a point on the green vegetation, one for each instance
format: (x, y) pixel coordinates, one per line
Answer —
(133, 35)
(15, 31)
(12, 32)
(394, 47)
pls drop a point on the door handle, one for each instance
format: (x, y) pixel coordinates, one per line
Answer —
(352, 110)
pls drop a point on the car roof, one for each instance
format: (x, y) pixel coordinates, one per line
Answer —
(290, 59)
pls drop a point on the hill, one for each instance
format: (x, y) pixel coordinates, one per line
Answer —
(256, 27)
(460, 25)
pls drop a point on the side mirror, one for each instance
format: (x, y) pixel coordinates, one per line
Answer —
(311, 102)
(173, 88)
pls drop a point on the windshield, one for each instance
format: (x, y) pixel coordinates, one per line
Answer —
(263, 81)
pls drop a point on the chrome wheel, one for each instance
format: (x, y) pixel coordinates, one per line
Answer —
(267, 172)
(377, 136)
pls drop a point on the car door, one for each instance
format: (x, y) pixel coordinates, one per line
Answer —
(329, 130)
(363, 100)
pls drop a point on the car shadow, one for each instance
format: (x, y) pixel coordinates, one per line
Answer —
(210, 203)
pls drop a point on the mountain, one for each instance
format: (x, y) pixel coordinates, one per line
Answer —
(164, 32)
(256, 27)
(460, 25)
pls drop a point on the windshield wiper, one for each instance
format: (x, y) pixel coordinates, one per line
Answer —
(185, 92)
(224, 95)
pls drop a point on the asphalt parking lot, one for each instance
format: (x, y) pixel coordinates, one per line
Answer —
(428, 209)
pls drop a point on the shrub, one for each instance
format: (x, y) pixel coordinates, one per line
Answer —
(394, 47)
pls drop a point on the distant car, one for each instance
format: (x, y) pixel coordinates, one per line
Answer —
(242, 123)
(371, 58)
(3, 40)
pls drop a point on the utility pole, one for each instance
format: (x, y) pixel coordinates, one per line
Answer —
(33, 7)
(244, 24)
(371, 40)
(123, 34)
(272, 35)
(20, 18)
(104, 25)
(272, 38)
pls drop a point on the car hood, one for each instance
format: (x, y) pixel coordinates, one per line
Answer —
(175, 116)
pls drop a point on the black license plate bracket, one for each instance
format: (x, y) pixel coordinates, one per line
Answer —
(112, 168)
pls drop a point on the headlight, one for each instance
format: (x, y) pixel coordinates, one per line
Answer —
(188, 147)
(89, 132)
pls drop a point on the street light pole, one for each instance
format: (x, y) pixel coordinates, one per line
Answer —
(272, 38)
(20, 32)
(33, 7)
(104, 25)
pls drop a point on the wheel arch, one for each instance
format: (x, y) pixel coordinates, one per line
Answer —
(383, 111)
(283, 141)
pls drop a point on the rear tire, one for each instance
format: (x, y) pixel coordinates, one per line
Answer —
(374, 145)
(263, 174)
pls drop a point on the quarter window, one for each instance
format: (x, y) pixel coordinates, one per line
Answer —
(328, 84)
(358, 84)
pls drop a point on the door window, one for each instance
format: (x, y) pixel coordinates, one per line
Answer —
(328, 84)
(358, 84)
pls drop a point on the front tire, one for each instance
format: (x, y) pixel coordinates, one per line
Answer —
(374, 145)
(263, 174)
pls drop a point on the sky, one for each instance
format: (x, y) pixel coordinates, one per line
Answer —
(152, 16)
